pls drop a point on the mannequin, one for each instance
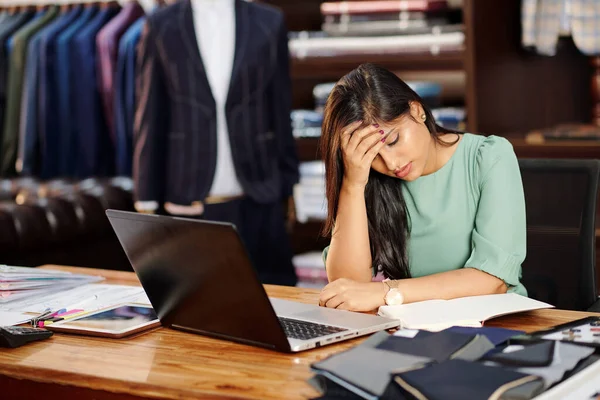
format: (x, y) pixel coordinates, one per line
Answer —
(212, 135)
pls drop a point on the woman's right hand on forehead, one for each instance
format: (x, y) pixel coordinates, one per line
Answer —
(360, 146)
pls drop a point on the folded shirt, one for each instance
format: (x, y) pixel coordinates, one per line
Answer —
(533, 355)
(496, 336)
(440, 346)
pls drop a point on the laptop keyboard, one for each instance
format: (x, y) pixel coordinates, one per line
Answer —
(305, 330)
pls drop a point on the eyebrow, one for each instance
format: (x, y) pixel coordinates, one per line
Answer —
(391, 132)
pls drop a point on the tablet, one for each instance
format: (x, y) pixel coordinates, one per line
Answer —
(115, 322)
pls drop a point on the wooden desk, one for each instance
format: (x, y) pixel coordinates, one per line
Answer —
(168, 364)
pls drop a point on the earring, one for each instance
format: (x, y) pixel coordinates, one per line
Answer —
(423, 117)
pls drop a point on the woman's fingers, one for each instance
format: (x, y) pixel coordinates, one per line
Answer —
(368, 143)
(334, 302)
(326, 295)
(359, 136)
(370, 154)
(348, 131)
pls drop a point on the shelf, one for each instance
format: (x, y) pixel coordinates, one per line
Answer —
(306, 237)
(335, 67)
(308, 149)
(556, 149)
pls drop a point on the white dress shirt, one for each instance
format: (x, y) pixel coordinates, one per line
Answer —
(214, 23)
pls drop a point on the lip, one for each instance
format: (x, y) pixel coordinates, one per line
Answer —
(404, 171)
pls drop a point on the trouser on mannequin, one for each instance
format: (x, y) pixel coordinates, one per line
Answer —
(262, 228)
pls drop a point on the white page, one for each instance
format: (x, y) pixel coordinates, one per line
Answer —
(482, 308)
(142, 299)
(8, 298)
(8, 318)
(406, 333)
(88, 297)
(432, 315)
(436, 315)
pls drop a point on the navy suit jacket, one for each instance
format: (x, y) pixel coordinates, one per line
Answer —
(175, 134)
(95, 151)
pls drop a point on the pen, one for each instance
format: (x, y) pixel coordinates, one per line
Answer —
(50, 321)
(45, 313)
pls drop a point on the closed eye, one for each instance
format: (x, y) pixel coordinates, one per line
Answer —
(393, 142)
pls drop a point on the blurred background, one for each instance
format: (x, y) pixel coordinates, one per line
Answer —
(514, 68)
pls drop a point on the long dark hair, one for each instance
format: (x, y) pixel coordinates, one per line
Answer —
(372, 94)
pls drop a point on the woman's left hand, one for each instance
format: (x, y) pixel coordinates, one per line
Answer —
(346, 294)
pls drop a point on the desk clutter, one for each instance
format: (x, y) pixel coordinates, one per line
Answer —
(44, 297)
(20, 283)
(456, 363)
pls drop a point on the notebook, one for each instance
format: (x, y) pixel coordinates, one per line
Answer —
(436, 315)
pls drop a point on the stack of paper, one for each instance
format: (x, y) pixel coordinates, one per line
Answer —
(89, 297)
(22, 283)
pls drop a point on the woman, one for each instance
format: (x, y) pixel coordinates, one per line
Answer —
(439, 213)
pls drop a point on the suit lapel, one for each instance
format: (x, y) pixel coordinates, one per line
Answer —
(188, 36)
(242, 33)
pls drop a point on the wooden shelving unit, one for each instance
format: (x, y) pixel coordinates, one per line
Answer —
(507, 89)
(336, 67)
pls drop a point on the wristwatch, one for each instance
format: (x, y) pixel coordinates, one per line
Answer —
(394, 296)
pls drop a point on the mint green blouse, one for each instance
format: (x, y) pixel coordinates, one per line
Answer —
(469, 213)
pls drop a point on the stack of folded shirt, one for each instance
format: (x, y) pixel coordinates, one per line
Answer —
(306, 123)
(381, 27)
(309, 193)
(458, 363)
(450, 117)
(310, 270)
(429, 91)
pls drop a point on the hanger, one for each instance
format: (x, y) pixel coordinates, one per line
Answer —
(64, 4)
(14, 5)
(109, 4)
(148, 5)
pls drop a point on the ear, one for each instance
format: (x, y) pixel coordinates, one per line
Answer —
(416, 110)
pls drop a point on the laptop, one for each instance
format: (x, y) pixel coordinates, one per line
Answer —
(199, 278)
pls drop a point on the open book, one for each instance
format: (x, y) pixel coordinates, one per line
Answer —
(436, 315)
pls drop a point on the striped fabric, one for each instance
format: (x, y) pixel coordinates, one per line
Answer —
(175, 123)
(544, 21)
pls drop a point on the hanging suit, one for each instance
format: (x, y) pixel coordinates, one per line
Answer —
(67, 97)
(175, 124)
(16, 74)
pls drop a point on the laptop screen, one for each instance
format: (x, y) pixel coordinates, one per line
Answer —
(198, 276)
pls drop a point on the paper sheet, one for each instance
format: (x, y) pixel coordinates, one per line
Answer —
(88, 297)
(407, 333)
(13, 318)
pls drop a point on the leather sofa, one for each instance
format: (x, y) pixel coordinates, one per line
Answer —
(62, 222)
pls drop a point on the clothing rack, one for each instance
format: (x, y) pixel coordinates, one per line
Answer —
(67, 90)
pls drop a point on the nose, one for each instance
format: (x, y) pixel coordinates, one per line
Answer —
(388, 160)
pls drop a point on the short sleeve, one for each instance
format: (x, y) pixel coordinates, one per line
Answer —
(325, 252)
(498, 240)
